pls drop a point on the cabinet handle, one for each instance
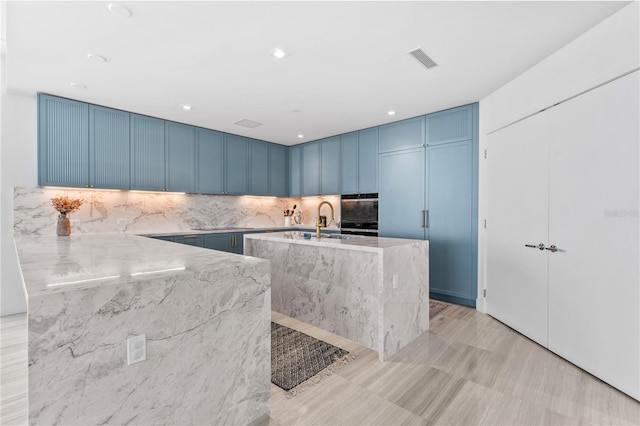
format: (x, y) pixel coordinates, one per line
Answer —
(190, 236)
(233, 241)
(539, 246)
(426, 218)
(422, 218)
(552, 248)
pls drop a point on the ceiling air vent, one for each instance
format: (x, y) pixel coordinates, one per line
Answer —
(422, 58)
(248, 123)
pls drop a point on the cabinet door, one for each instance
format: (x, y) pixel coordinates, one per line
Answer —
(311, 168)
(330, 166)
(295, 175)
(368, 161)
(210, 148)
(181, 157)
(238, 243)
(259, 167)
(448, 126)
(517, 209)
(278, 170)
(191, 240)
(222, 242)
(109, 148)
(406, 134)
(594, 198)
(349, 163)
(147, 153)
(169, 238)
(452, 222)
(63, 142)
(237, 166)
(402, 194)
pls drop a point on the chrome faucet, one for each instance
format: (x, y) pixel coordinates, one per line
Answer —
(319, 221)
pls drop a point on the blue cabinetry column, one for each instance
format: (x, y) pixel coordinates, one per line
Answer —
(349, 163)
(109, 148)
(210, 164)
(63, 142)
(405, 134)
(181, 157)
(278, 170)
(330, 166)
(295, 174)
(311, 168)
(259, 170)
(147, 153)
(237, 165)
(368, 161)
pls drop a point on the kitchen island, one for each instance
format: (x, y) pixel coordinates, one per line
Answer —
(374, 291)
(205, 316)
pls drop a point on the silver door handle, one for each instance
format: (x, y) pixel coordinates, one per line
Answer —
(422, 218)
(426, 218)
(552, 248)
(539, 246)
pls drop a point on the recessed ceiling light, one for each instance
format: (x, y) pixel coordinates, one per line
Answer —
(186, 107)
(78, 85)
(278, 53)
(391, 112)
(120, 10)
(96, 57)
(300, 136)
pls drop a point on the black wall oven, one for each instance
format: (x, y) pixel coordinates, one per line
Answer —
(359, 214)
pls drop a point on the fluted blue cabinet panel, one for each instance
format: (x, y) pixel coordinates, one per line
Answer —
(63, 142)
(368, 160)
(147, 153)
(109, 148)
(295, 173)
(181, 157)
(448, 126)
(349, 163)
(278, 170)
(330, 166)
(190, 240)
(259, 170)
(210, 164)
(405, 134)
(451, 219)
(237, 171)
(311, 168)
(402, 194)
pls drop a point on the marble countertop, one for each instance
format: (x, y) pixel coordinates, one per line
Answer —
(55, 264)
(362, 243)
(228, 230)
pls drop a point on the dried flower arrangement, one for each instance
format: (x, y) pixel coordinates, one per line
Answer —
(65, 204)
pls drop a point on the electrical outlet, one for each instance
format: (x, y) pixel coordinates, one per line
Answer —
(122, 221)
(136, 349)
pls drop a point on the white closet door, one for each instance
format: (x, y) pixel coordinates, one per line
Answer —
(517, 280)
(594, 299)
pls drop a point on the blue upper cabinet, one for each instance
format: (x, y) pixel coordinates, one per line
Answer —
(330, 166)
(405, 134)
(237, 165)
(259, 168)
(448, 126)
(63, 142)
(210, 163)
(278, 169)
(368, 161)
(109, 148)
(295, 172)
(349, 163)
(311, 168)
(181, 157)
(147, 153)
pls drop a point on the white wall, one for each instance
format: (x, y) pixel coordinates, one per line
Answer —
(608, 50)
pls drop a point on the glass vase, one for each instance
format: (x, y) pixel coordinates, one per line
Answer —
(64, 225)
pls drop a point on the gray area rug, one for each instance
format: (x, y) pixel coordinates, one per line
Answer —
(436, 307)
(295, 356)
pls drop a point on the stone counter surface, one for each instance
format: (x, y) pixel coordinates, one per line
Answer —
(205, 315)
(374, 291)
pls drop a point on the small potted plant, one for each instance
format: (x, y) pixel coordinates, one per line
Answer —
(65, 205)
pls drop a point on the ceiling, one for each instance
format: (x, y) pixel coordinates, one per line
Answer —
(346, 65)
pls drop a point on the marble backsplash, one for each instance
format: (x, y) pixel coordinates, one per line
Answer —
(107, 211)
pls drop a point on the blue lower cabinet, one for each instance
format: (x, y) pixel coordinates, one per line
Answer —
(169, 238)
(229, 242)
(192, 240)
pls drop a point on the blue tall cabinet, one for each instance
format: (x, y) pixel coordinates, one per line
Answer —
(429, 190)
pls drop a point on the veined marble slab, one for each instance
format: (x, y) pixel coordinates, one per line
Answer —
(205, 315)
(374, 291)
